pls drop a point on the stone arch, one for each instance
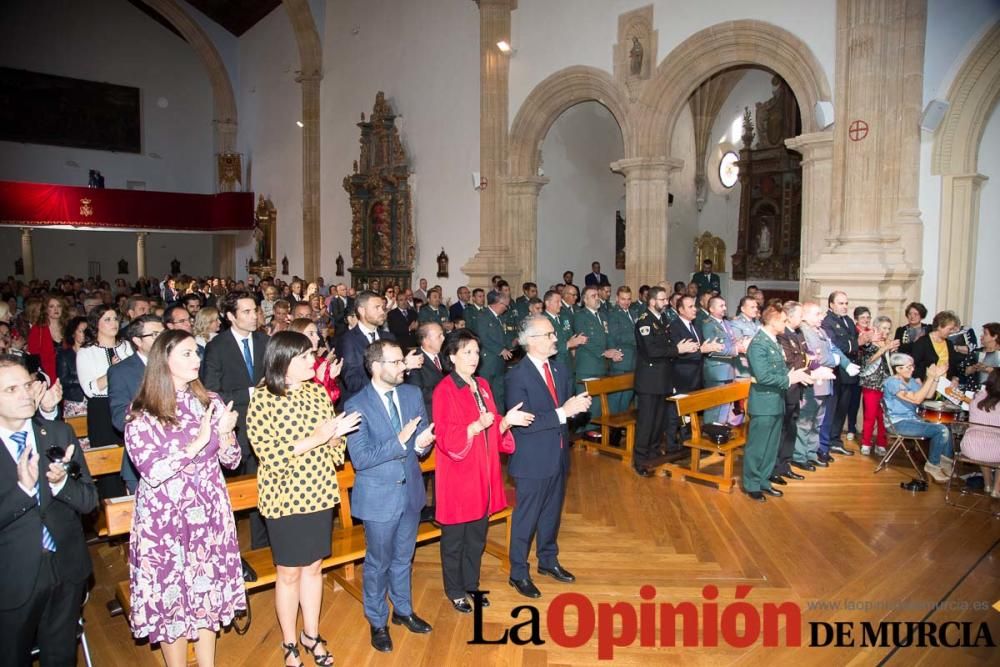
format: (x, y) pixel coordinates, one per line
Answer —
(549, 99)
(721, 47)
(973, 96)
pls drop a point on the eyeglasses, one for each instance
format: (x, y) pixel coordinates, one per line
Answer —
(547, 334)
(394, 362)
(152, 334)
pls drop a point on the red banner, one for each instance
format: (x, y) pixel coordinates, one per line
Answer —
(44, 205)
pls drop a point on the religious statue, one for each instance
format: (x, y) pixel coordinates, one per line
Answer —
(175, 267)
(442, 261)
(635, 57)
(284, 265)
(619, 240)
(340, 264)
(230, 167)
(764, 241)
(122, 267)
(19, 266)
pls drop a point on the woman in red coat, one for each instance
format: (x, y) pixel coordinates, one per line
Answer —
(46, 335)
(468, 481)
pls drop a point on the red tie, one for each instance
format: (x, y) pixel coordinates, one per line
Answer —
(437, 362)
(552, 392)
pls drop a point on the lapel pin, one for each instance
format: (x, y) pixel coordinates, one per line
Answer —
(41, 431)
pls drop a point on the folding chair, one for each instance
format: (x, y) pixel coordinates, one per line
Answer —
(81, 635)
(900, 441)
(961, 458)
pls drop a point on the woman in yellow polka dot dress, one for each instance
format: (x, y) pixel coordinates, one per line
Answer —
(299, 442)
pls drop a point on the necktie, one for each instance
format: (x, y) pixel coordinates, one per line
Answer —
(247, 357)
(21, 440)
(629, 313)
(552, 391)
(371, 337)
(437, 362)
(393, 412)
(693, 332)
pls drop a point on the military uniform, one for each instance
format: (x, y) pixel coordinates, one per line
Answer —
(637, 308)
(653, 382)
(590, 362)
(719, 367)
(706, 282)
(520, 307)
(766, 407)
(564, 331)
(429, 313)
(743, 327)
(621, 337)
(492, 340)
(472, 313)
(793, 347)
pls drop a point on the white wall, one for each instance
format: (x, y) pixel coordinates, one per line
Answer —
(270, 103)
(58, 252)
(985, 305)
(112, 41)
(576, 210)
(425, 57)
(682, 215)
(550, 35)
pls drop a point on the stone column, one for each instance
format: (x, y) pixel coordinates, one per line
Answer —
(957, 254)
(873, 248)
(647, 181)
(140, 254)
(27, 254)
(494, 254)
(224, 251)
(522, 219)
(817, 165)
(310, 173)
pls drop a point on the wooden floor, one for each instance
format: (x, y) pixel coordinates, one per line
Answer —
(843, 534)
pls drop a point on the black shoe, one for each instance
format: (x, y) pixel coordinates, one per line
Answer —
(772, 492)
(381, 641)
(839, 449)
(427, 514)
(413, 623)
(820, 463)
(777, 479)
(756, 495)
(808, 467)
(558, 573)
(794, 475)
(825, 457)
(462, 605)
(641, 471)
(483, 600)
(525, 587)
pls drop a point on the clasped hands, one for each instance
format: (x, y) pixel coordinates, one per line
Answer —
(224, 426)
(424, 440)
(27, 468)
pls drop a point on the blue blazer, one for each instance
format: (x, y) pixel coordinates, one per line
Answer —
(538, 453)
(388, 481)
(351, 348)
(124, 380)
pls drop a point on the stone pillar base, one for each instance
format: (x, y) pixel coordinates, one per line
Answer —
(489, 262)
(872, 272)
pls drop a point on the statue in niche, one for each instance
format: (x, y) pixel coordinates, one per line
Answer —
(284, 265)
(122, 267)
(764, 239)
(19, 266)
(619, 240)
(442, 261)
(340, 264)
(635, 57)
(175, 267)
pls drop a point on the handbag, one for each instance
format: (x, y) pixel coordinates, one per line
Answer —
(717, 433)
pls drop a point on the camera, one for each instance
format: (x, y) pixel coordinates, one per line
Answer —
(55, 454)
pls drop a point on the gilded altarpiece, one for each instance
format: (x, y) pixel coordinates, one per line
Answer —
(382, 240)
(768, 241)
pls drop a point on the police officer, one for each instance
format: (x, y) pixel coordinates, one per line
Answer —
(494, 352)
(434, 311)
(592, 357)
(566, 340)
(621, 336)
(653, 376)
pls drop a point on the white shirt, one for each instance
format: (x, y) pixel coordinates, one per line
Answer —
(239, 344)
(92, 363)
(385, 403)
(540, 367)
(368, 332)
(29, 444)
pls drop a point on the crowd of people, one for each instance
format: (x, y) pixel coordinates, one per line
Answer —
(289, 380)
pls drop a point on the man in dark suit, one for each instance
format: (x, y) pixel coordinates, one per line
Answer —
(388, 493)
(843, 334)
(687, 367)
(370, 309)
(426, 378)
(125, 378)
(41, 538)
(340, 305)
(595, 277)
(457, 310)
(233, 366)
(402, 322)
(793, 348)
(540, 462)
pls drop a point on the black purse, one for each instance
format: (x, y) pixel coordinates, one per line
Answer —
(717, 433)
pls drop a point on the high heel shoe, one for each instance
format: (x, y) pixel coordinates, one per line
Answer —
(321, 660)
(291, 650)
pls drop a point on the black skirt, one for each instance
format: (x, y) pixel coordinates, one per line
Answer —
(100, 430)
(300, 539)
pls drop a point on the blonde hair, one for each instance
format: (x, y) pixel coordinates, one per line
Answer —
(203, 320)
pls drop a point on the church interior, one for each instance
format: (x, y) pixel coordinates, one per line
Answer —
(806, 148)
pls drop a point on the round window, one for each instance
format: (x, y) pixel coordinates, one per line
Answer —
(729, 170)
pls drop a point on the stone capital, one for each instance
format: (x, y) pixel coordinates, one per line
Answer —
(525, 185)
(314, 76)
(646, 168)
(813, 146)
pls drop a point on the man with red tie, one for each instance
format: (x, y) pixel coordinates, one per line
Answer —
(540, 462)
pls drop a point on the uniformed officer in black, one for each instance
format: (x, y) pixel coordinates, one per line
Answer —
(653, 376)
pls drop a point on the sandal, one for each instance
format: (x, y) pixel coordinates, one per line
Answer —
(291, 650)
(321, 660)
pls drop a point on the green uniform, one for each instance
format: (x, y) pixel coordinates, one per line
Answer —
(701, 317)
(637, 308)
(492, 341)
(429, 313)
(564, 331)
(590, 362)
(472, 314)
(520, 306)
(621, 337)
(511, 325)
(766, 407)
(706, 282)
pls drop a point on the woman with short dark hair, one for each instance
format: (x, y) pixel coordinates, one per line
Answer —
(74, 400)
(914, 329)
(299, 443)
(936, 348)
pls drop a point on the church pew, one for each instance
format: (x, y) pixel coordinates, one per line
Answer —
(600, 389)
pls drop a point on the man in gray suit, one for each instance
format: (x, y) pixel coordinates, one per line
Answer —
(720, 367)
(388, 490)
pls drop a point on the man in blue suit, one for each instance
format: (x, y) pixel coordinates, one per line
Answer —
(125, 378)
(388, 489)
(370, 309)
(540, 462)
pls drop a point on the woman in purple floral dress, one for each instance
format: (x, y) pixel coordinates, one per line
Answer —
(184, 559)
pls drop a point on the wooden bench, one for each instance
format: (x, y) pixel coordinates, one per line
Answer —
(348, 539)
(691, 405)
(79, 425)
(104, 460)
(601, 388)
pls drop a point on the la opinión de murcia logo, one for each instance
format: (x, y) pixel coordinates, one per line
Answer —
(736, 624)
